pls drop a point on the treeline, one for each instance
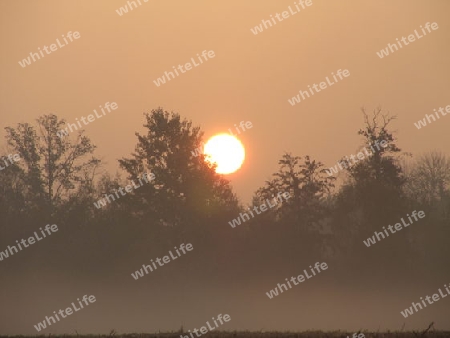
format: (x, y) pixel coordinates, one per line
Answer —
(58, 180)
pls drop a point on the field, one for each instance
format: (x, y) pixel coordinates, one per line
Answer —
(257, 334)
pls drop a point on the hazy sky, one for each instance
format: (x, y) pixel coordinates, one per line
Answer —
(251, 77)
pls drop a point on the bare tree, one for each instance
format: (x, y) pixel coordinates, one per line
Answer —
(429, 178)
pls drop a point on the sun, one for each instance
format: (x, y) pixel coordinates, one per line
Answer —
(225, 150)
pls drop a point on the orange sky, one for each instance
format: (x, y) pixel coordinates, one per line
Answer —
(250, 78)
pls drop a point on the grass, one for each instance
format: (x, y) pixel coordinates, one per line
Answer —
(257, 334)
(428, 332)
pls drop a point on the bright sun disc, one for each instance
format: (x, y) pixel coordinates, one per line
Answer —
(225, 150)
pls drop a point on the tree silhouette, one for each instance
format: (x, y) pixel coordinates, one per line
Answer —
(53, 167)
(372, 197)
(307, 183)
(429, 179)
(185, 189)
(302, 217)
(378, 180)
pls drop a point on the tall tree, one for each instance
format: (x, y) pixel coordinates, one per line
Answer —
(185, 189)
(372, 197)
(301, 220)
(378, 180)
(307, 183)
(53, 166)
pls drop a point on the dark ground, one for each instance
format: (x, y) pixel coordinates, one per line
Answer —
(247, 334)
